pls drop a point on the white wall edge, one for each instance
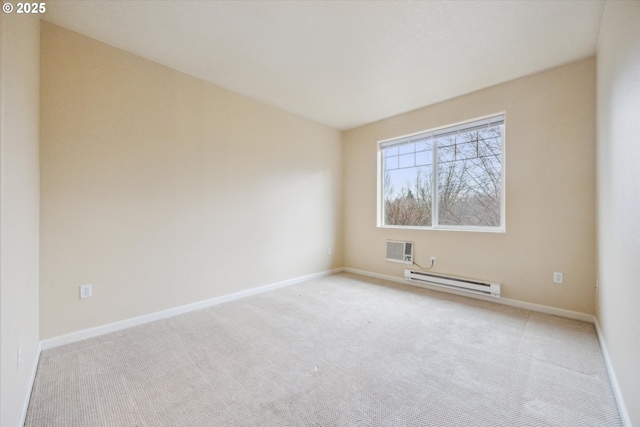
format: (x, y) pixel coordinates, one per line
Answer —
(505, 301)
(32, 380)
(622, 408)
(147, 318)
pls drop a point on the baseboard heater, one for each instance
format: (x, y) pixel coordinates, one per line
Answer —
(456, 283)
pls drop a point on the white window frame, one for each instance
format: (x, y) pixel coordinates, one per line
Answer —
(436, 132)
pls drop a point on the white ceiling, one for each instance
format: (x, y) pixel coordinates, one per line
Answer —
(344, 63)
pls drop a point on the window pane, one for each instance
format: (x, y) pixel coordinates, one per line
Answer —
(391, 152)
(408, 195)
(467, 150)
(407, 160)
(391, 162)
(469, 189)
(407, 148)
(424, 158)
(490, 141)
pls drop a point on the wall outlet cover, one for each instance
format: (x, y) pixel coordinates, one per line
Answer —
(85, 291)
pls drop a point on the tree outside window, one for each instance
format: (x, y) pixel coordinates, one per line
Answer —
(447, 178)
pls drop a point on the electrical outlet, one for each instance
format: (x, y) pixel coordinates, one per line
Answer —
(433, 260)
(557, 277)
(85, 291)
(330, 251)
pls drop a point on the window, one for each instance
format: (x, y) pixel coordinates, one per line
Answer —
(446, 178)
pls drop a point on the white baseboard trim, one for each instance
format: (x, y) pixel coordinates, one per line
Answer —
(622, 408)
(141, 320)
(32, 380)
(506, 301)
(560, 312)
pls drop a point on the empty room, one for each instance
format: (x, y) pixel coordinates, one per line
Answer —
(320, 213)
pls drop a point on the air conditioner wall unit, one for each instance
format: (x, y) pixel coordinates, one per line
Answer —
(398, 251)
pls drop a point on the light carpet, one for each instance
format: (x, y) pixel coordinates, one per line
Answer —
(343, 350)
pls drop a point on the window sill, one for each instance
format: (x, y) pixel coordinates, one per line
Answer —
(500, 230)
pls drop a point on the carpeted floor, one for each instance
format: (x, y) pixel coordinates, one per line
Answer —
(338, 351)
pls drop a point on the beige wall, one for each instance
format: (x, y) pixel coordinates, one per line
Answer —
(160, 189)
(618, 299)
(19, 212)
(550, 191)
